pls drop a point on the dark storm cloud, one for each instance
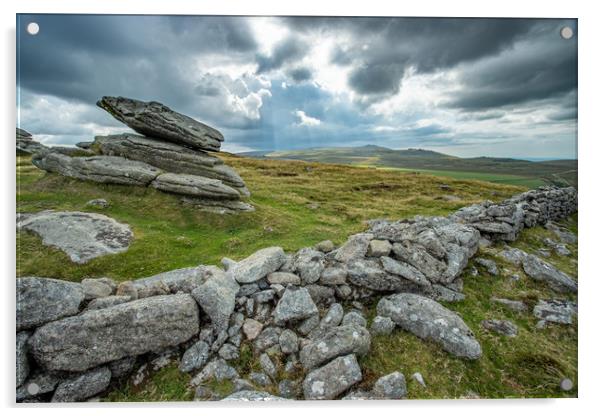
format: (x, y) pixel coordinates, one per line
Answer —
(82, 57)
(300, 74)
(288, 50)
(543, 66)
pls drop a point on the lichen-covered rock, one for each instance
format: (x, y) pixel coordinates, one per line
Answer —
(41, 300)
(295, 304)
(336, 341)
(392, 386)
(99, 336)
(382, 325)
(368, 273)
(514, 305)
(284, 278)
(379, 248)
(179, 280)
(37, 384)
(354, 248)
(333, 379)
(258, 265)
(539, 270)
(97, 288)
(354, 318)
(154, 119)
(555, 310)
(194, 186)
(217, 369)
(195, 357)
(83, 236)
(22, 363)
(334, 276)
(217, 298)
(309, 264)
(501, 327)
(82, 386)
(404, 270)
(428, 320)
(289, 342)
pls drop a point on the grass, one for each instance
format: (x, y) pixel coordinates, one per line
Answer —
(299, 204)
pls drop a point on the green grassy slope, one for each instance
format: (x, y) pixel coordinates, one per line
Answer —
(299, 204)
(503, 170)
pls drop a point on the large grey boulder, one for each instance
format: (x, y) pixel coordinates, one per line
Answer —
(83, 236)
(336, 341)
(22, 363)
(99, 336)
(253, 396)
(329, 381)
(539, 270)
(82, 386)
(170, 157)
(218, 206)
(217, 297)
(195, 186)
(41, 300)
(258, 265)
(295, 305)
(102, 169)
(429, 320)
(154, 119)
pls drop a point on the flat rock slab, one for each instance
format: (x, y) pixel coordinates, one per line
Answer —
(429, 320)
(252, 396)
(539, 270)
(337, 341)
(82, 235)
(154, 119)
(555, 310)
(195, 186)
(258, 265)
(41, 300)
(100, 336)
(170, 157)
(102, 169)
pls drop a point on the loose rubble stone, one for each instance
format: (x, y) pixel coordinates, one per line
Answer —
(258, 265)
(391, 386)
(513, 255)
(252, 328)
(100, 336)
(419, 379)
(295, 305)
(38, 384)
(217, 297)
(354, 318)
(22, 368)
(309, 264)
(98, 203)
(289, 342)
(334, 276)
(288, 389)
(154, 119)
(240, 384)
(284, 278)
(355, 247)
(333, 316)
(83, 236)
(83, 385)
(195, 357)
(263, 296)
(382, 325)
(369, 274)
(122, 367)
(267, 365)
(514, 305)
(269, 337)
(305, 327)
(539, 270)
(489, 265)
(325, 246)
(179, 280)
(41, 300)
(378, 248)
(217, 370)
(502, 327)
(260, 379)
(404, 270)
(321, 295)
(253, 396)
(429, 320)
(329, 381)
(127, 289)
(555, 310)
(337, 341)
(96, 288)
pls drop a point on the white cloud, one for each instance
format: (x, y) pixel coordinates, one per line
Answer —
(305, 120)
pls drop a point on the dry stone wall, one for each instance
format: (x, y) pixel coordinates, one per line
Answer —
(75, 339)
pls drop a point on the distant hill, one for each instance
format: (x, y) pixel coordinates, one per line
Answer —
(507, 170)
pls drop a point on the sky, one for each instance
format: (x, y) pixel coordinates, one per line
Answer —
(466, 87)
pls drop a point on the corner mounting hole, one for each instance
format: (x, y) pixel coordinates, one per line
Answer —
(566, 32)
(33, 28)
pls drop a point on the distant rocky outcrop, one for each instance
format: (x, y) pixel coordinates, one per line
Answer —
(172, 157)
(26, 145)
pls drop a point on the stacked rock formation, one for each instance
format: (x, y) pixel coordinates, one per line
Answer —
(26, 145)
(74, 338)
(172, 156)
